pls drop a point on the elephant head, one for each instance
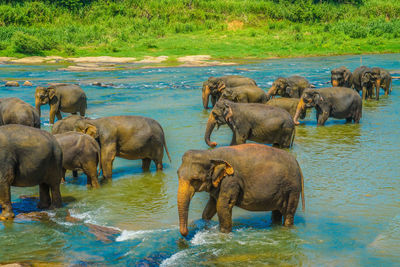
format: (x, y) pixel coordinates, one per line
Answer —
(376, 73)
(214, 87)
(198, 172)
(221, 114)
(278, 87)
(310, 98)
(341, 77)
(44, 95)
(367, 79)
(86, 127)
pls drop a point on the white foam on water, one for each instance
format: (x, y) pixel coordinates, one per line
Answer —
(140, 234)
(174, 260)
(211, 236)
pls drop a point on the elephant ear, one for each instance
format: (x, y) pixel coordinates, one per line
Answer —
(91, 130)
(318, 99)
(347, 75)
(52, 92)
(219, 169)
(228, 113)
(221, 86)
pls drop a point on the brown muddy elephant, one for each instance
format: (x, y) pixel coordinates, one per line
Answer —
(15, 111)
(80, 152)
(253, 177)
(66, 125)
(29, 157)
(292, 87)
(214, 87)
(288, 104)
(364, 81)
(334, 102)
(255, 122)
(68, 98)
(244, 94)
(341, 77)
(383, 80)
(128, 137)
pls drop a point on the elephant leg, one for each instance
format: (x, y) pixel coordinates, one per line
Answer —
(377, 92)
(146, 164)
(90, 170)
(226, 200)
(159, 165)
(349, 120)
(240, 138)
(233, 141)
(75, 173)
(58, 114)
(82, 110)
(213, 100)
(56, 201)
(364, 93)
(63, 175)
(108, 154)
(276, 217)
(292, 202)
(52, 114)
(322, 118)
(5, 200)
(210, 210)
(44, 196)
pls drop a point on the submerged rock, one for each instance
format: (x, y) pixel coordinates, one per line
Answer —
(27, 83)
(12, 84)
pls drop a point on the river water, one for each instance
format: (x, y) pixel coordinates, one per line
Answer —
(352, 180)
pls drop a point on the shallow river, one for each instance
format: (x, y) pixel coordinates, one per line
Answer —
(352, 180)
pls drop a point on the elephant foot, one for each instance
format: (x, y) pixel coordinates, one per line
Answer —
(213, 144)
(225, 230)
(43, 206)
(296, 122)
(4, 216)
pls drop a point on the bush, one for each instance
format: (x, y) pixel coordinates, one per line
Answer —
(26, 44)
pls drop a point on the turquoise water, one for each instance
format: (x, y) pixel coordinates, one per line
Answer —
(352, 180)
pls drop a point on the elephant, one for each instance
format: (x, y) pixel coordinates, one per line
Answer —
(364, 81)
(335, 102)
(68, 98)
(383, 79)
(80, 151)
(255, 122)
(15, 111)
(66, 125)
(215, 85)
(29, 157)
(341, 77)
(292, 87)
(128, 137)
(244, 94)
(253, 177)
(288, 104)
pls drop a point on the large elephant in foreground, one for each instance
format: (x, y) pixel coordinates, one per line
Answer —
(383, 79)
(341, 77)
(128, 137)
(215, 85)
(244, 94)
(68, 98)
(364, 81)
(292, 87)
(256, 122)
(335, 102)
(251, 176)
(15, 111)
(29, 157)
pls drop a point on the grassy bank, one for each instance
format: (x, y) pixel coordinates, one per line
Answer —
(220, 28)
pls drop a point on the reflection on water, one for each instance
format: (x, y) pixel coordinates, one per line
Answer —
(351, 180)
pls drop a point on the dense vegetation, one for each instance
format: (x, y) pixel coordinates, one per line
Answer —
(221, 28)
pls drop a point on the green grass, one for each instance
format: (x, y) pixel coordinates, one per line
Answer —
(138, 28)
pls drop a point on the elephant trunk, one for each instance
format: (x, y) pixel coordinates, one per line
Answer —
(378, 83)
(210, 127)
(335, 83)
(271, 92)
(185, 194)
(37, 106)
(300, 108)
(206, 96)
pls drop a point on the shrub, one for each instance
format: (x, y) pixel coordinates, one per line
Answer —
(70, 50)
(26, 44)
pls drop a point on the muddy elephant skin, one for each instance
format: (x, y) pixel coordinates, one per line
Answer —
(250, 176)
(15, 111)
(244, 94)
(69, 98)
(66, 125)
(292, 87)
(341, 77)
(214, 87)
(383, 80)
(288, 104)
(29, 157)
(256, 122)
(80, 152)
(334, 102)
(128, 137)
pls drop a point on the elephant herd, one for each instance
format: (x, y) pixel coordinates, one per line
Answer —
(254, 177)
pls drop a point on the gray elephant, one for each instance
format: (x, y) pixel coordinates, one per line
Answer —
(29, 157)
(80, 152)
(15, 111)
(128, 137)
(214, 87)
(364, 81)
(244, 94)
(253, 177)
(66, 125)
(335, 102)
(341, 77)
(383, 79)
(292, 87)
(288, 104)
(68, 98)
(255, 122)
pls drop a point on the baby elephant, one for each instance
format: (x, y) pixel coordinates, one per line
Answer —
(250, 176)
(255, 122)
(29, 157)
(80, 152)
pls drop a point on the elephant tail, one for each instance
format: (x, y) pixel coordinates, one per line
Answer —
(391, 83)
(293, 135)
(165, 146)
(303, 201)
